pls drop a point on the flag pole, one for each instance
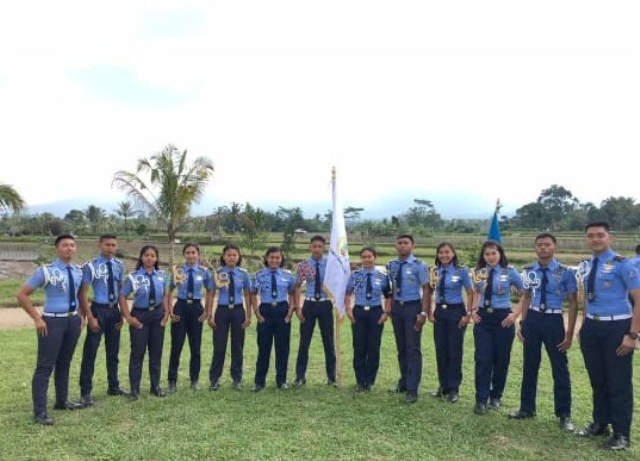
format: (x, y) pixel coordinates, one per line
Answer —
(337, 316)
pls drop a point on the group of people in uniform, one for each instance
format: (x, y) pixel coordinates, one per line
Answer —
(410, 292)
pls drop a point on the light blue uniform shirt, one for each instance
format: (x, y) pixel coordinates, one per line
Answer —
(54, 278)
(561, 281)
(308, 272)
(636, 261)
(615, 277)
(415, 274)
(201, 279)
(241, 282)
(380, 286)
(96, 273)
(285, 284)
(456, 279)
(138, 283)
(503, 279)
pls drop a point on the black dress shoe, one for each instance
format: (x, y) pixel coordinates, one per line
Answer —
(332, 383)
(68, 405)
(495, 404)
(565, 423)
(437, 393)
(134, 396)
(237, 385)
(411, 397)
(617, 442)
(173, 387)
(214, 386)
(453, 397)
(593, 430)
(87, 400)
(158, 392)
(397, 390)
(257, 388)
(520, 414)
(44, 419)
(299, 382)
(283, 386)
(118, 391)
(369, 388)
(359, 388)
(480, 408)
(195, 386)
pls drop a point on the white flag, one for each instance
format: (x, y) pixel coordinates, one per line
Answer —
(338, 269)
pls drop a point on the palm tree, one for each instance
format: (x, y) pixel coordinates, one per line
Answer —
(166, 185)
(10, 199)
(126, 210)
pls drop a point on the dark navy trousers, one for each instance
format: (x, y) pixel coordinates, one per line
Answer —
(541, 329)
(228, 321)
(367, 335)
(187, 327)
(274, 330)
(408, 344)
(108, 318)
(610, 375)
(449, 339)
(150, 336)
(493, 345)
(322, 313)
(55, 351)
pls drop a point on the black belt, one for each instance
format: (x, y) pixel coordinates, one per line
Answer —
(274, 303)
(231, 306)
(146, 309)
(496, 310)
(190, 301)
(402, 303)
(105, 306)
(367, 308)
(446, 306)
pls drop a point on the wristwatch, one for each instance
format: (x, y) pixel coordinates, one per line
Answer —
(633, 335)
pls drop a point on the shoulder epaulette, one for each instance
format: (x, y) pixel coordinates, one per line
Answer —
(241, 269)
(528, 267)
(619, 258)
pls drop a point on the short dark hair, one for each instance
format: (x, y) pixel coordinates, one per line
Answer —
(64, 237)
(318, 238)
(603, 224)
(273, 250)
(546, 235)
(231, 246)
(405, 236)
(370, 250)
(108, 237)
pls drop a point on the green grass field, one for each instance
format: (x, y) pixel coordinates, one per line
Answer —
(314, 422)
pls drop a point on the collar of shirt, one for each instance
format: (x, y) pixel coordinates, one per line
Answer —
(186, 267)
(552, 266)
(604, 256)
(408, 260)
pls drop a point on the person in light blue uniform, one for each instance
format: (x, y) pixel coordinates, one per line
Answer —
(411, 308)
(317, 307)
(58, 326)
(493, 330)
(547, 285)
(147, 318)
(232, 315)
(369, 287)
(609, 335)
(188, 313)
(104, 274)
(448, 280)
(276, 289)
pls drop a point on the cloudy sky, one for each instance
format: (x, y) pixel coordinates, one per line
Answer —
(460, 102)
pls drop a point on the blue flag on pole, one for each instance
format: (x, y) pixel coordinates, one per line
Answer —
(494, 230)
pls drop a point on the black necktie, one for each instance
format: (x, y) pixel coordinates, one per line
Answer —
(399, 278)
(274, 285)
(488, 292)
(369, 292)
(190, 285)
(72, 290)
(443, 276)
(152, 291)
(232, 289)
(543, 290)
(112, 293)
(318, 288)
(591, 281)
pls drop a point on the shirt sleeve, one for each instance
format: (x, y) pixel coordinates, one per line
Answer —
(515, 279)
(629, 275)
(423, 274)
(127, 288)
(87, 277)
(37, 279)
(351, 284)
(571, 285)
(465, 277)
(386, 289)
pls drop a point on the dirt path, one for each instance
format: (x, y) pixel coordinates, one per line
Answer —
(11, 318)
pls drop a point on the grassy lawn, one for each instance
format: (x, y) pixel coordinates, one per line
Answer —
(314, 422)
